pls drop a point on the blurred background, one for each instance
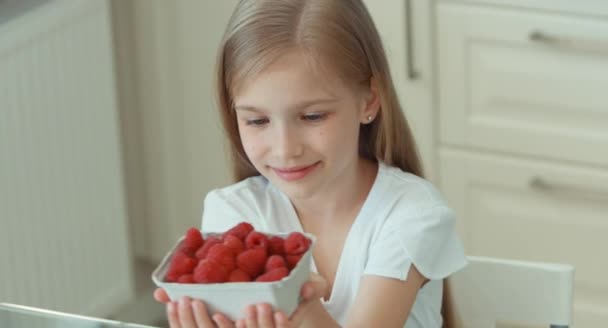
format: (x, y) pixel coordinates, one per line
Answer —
(109, 137)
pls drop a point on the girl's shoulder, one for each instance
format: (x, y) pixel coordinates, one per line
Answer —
(409, 188)
(251, 185)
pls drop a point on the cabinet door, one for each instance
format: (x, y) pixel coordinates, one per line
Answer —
(523, 82)
(64, 239)
(534, 210)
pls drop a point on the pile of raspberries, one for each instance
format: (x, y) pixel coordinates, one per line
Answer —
(240, 254)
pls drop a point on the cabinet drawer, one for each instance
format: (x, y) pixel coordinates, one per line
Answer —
(523, 82)
(504, 211)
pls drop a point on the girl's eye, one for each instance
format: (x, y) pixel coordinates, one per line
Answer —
(257, 121)
(314, 117)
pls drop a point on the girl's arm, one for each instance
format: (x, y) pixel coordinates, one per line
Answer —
(385, 302)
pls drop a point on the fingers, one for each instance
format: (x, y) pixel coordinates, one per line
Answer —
(281, 320)
(185, 313)
(189, 313)
(251, 317)
(265, 316)
(201, 316)
(161, 295)
(260, 316)
(222, 321)
(314, 288)
(172, 315)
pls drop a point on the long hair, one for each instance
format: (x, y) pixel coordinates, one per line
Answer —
(337, 36)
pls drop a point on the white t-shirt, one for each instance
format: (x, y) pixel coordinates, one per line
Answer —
(404, 220)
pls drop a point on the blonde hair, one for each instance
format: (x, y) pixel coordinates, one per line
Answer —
(338, 36)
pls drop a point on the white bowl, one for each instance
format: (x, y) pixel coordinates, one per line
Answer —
(231, 298)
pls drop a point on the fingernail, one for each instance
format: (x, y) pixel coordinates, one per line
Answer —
(170, 307)
(183, 302)
(308, 292)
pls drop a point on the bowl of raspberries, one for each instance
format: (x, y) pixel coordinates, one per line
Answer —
(239, 267)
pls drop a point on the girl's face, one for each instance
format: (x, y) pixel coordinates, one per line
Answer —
(301, 130)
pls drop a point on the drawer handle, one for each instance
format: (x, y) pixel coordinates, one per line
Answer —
(409, 42)
(562, 41)
(540, 184)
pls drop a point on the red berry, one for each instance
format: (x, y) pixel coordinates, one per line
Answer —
(181, 264)
(276, 245)
(275, 261)
(252, 261)
(183, 248)
(194, 238)
(223, 255)
(210, 271)
(273, 275)
(240, 230)
(292, 260)
(296, 243)
(234, 243)
(201, 253)
(186, 279)
(238, 275)
(172, 276)
(256, 239)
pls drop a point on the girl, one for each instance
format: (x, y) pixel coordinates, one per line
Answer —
(320, 144)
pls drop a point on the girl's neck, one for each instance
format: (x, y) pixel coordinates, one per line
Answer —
(343, 201)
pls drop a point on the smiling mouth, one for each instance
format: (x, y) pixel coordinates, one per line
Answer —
(295, 173)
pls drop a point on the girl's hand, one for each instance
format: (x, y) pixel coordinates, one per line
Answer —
(261, 315)
(192, 313)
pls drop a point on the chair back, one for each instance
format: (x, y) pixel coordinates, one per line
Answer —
(490, 291)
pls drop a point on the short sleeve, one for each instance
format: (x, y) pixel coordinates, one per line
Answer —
(221, 213)
(426, 238)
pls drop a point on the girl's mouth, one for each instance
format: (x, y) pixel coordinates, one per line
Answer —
(294, 173)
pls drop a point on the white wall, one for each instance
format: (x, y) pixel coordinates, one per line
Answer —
(172, 134)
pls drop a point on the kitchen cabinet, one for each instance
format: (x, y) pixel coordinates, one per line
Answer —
(508, 101)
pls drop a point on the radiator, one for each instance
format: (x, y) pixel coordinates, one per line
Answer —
(64, 242)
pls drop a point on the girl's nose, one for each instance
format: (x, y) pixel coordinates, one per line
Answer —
(287, 143)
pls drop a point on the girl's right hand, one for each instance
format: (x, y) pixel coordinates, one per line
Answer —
(190, 313)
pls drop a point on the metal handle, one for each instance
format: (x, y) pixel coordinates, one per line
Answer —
(409, 43)
(567, 42)
(540, 184)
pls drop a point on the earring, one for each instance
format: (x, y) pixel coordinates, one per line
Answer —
(370, 118)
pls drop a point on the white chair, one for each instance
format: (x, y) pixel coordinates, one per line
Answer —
(513, 293)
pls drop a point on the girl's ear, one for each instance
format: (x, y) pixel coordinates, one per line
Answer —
(372, 103)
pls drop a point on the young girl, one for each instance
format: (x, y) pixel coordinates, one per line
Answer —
(320, 145)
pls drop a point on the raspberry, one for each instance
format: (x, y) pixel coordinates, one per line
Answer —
(292, 260)
(273, 275)
(273, 262)
(201, 253)
(296, 243)
(172, 277)
(234, 243)
(240, 230)
(183, 248)
(252, 261)
(194, 238)
(186, 279)
(256, 239)
(210, 271)
(238, 275)
(223, 255)
(276, 245)
(180, 264)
